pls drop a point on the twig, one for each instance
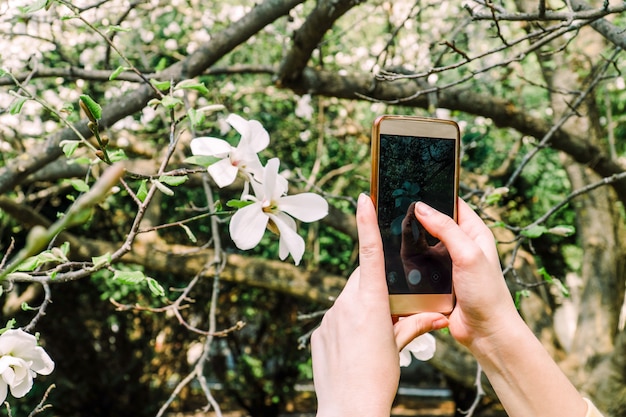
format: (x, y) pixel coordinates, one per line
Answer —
(42, 406)
(480, 392)
(598, 76)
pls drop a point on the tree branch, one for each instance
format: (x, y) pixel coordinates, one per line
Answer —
(221, 43)
(503, 112)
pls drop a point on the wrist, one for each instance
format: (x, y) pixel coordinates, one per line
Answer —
(500, 337)
(360, 411)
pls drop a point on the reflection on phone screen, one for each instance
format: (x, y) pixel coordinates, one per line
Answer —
(415, 169)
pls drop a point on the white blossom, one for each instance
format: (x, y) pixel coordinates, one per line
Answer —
(274, 210)
(233, 160)
(20, 361)
(422, 348)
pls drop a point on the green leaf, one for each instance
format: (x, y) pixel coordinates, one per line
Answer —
(35, 6)
(173, 180)
(202, 160)
(554, 281)
(518, 297)
(82, 160)
(170, 102)
(498, 223)
(238, 203)
(129, 277)
(534, 232)
(65, 248)
(117, 72)
(94, 108)
(155, 288)
(99, 261)
(158, 184)
(69, 147)
(79, 185)
(17, 104)
(195, 117)
(496, 195)
(562, 230)
(117, 28)
(118, 155)
(10, 325)
(161, 65)
(161, 85)
(29, 264)
(544, 274)
(26, 307)
(142, 192)
(189, 233)
(192, 85)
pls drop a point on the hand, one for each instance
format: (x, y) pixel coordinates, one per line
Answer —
(356, 349)
(427, 266)
(486, 321)
(484, 305)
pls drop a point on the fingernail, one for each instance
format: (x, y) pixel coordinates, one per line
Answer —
(423, 209)
(362, 199)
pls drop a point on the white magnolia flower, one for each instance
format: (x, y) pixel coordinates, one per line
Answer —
(304, 110)
(422, 347)
(242, 158)
(20, 361)
(272, 209)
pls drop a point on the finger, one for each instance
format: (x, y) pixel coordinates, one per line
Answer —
(460, 245)
(476, 229)
(371, 258)
(410, 327)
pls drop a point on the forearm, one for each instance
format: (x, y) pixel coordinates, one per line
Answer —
(528, 382)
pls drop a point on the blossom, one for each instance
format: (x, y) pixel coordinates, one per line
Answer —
(20, 361)
(304, 110)
(422, 347)
(232, 160)
(272, 209)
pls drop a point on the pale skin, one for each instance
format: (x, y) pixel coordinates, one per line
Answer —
(355, 350)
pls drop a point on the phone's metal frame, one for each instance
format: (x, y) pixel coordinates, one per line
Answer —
(407, 304)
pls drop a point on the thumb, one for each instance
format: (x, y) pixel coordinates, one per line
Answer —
(408, 328)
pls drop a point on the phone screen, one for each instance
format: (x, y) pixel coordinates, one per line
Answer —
(415, 169)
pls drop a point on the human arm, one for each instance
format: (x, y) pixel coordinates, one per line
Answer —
(355, 350)
(528, 382)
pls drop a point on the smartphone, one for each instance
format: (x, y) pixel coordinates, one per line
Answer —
(415, 159)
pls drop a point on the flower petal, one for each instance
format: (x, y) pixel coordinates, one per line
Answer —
(40, 361)
(248, 225)
(423, 347)
(239, 124)
(16, 341)
(290, 241)
(7, 371)
(3, 391)
(210, 147)
(253, 135)
(271, 180)
(23, 382)
(259, 138)
(23, 345)
(223, 172)
(405, 357)
(307, 207)
(248, 162)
